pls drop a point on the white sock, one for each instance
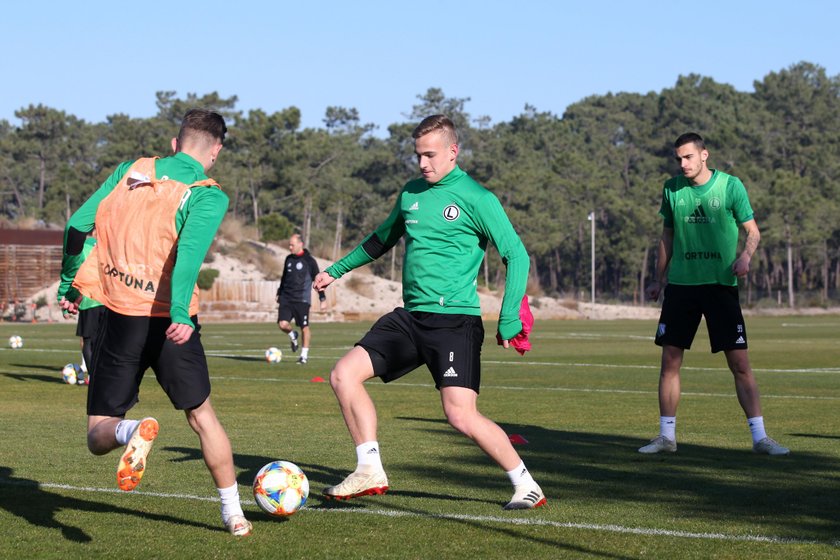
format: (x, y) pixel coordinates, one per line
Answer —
(230, 502)
(668, 427)
(83, 365)
(756, 425)
(520, 475)
(124, 430)
(304, 352)
(293, 335)
(367, 456)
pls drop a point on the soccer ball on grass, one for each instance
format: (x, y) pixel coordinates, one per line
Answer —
(281, 488)
(15, 341)
(273, 355)
(72, 374)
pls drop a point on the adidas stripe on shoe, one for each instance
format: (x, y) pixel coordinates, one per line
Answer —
(358, 484)
(526, 496)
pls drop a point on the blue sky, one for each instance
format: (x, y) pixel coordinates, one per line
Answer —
(95, 58)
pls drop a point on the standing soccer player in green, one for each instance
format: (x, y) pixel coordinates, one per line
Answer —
(91, 312)
(701, 210)
(447, 219)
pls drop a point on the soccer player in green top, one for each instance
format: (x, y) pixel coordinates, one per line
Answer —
(155, 220)
(447, 219)
(91, 312)
(701, 211)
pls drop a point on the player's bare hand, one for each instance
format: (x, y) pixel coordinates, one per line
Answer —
(653, 290)
(741, 266)
(322, 280)
(505, 344)
(179, 333)
(69, 307)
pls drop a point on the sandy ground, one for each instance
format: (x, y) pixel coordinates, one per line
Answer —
(242, 293)
(362, 295)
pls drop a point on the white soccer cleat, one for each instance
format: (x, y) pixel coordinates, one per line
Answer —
(658, 444)
(769, 446)
(526, 496)
(358, 484)
(238, 526)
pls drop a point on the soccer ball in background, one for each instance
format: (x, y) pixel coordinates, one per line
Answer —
(15, 341)
(72, 374)
(273, 355)
(281, 488)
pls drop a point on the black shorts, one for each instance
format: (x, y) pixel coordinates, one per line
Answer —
(127, 346)
(297, 310)
(449, 345)
(89, 320)
(684, 305)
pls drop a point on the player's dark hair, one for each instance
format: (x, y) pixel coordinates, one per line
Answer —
(201, 122)
(435, 123)
(690, 138)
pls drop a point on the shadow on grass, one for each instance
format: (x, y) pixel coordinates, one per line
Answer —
(815, 436)
(237, 358)
(795, 495)
(321, 476)
(55, 378)
(26, 499)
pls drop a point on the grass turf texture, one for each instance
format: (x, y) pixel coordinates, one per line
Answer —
(584, 398)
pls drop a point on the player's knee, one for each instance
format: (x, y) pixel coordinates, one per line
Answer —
(201, 418)
(738, 363)
(740, 370)
(460, 419)
(284, 326)
(338, 377)
(343, 376)
(95, 446)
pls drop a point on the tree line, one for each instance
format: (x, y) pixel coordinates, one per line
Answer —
(606, 157)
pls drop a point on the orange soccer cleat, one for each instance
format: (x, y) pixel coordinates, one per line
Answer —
(132, 464)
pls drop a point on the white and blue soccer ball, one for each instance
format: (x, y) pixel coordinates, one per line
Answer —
(15, 341)
(72, 374)
(281, 488)
(273, 355)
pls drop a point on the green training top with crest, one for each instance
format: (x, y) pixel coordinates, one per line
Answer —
(447, 226)
(705, 220)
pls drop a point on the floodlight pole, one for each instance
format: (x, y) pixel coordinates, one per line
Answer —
(591, 218)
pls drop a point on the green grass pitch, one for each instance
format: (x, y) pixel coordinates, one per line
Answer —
(584, 399)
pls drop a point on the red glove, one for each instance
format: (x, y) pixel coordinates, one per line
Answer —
(520, 342)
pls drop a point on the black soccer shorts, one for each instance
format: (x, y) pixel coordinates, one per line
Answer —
(89, 319)
(297, 310)
(683, 307)
(127, 346)
(449, 345)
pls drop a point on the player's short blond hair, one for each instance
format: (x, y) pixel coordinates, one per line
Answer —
(436, 123)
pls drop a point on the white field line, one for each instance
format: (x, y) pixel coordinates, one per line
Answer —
(523, 362)
(528, 521)
(811, 325)
(516, 388)
(258, 353)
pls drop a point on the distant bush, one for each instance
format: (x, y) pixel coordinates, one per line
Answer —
(206, 277)
(235, 230)
(274, 227)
